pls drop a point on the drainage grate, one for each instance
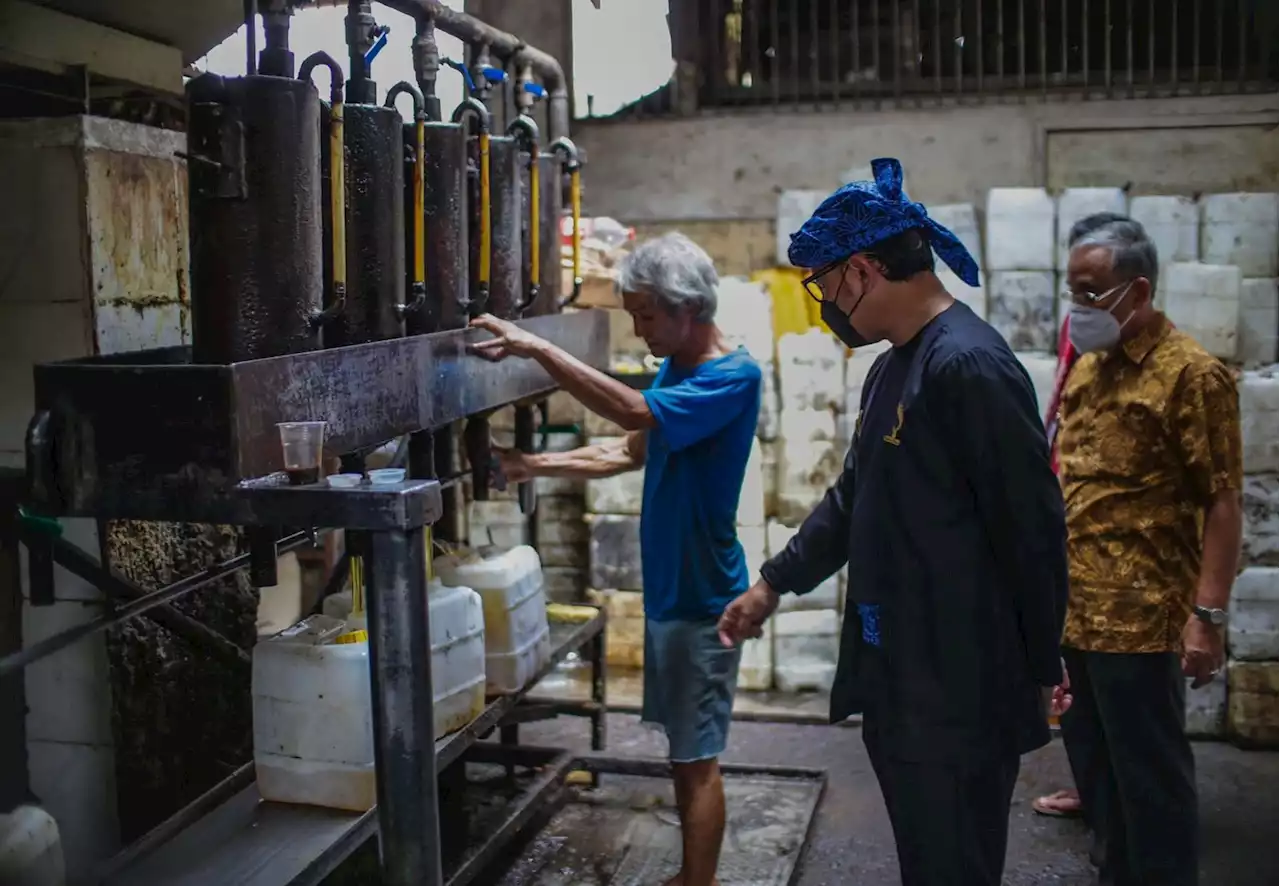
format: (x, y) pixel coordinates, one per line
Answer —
(653, 865)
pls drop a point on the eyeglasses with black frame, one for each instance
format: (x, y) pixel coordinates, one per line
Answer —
(812, 283)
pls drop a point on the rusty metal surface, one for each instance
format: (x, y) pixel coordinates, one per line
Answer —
(375, 222)
(255, 261)
(507, 195)
(152, 436)
(137, 227)
(447, 255)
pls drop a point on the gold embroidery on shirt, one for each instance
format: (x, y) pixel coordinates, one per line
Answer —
(892, 437)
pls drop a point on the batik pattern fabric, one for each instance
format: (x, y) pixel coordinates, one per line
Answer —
(1150, 434)
(863, 213)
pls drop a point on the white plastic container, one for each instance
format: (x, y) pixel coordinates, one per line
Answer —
(1204, 302)
(1256, 342)
(1020, 230)
(1261, 502)
(1240, 230)
(517, 637)
(810, 371)
(744, 314)
(1021, 305)
(30, 849)
(806, 470)
(1077, 203)
(312, 714)
(1260, 419)
(961, 219)
(1172, 223)
(806, 646)
(1253, 632)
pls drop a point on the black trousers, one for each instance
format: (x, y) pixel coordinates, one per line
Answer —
(950, 821)
(1125, 734)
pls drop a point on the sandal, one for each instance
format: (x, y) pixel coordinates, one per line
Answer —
(1060, 804)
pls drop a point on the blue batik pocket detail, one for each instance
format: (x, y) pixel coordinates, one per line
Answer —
(869, 615)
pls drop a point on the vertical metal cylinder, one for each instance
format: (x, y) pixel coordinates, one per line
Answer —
(506, 284)
(375, 225)
(446, 223)
(403, 731)
(255, 202)
(552, 208)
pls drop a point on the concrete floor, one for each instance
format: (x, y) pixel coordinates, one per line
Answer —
(852, 842)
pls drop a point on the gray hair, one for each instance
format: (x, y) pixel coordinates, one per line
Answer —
(676, 272)
(1132, 252)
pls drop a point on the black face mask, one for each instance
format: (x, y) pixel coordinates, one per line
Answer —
(838, 321)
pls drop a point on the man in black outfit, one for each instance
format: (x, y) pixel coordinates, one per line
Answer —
(951, 521)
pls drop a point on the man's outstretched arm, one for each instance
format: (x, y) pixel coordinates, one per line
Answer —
(599, 460)
(605, 396)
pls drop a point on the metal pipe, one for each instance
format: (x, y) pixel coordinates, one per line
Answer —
(506, 46)
(251, 37)
(569, 154)
(17, 661)
(472, 106)
(403, 732)
(337, 182)
(276, 59)
(361, 27)
(524, 129)
(426, 64)
(418, 291)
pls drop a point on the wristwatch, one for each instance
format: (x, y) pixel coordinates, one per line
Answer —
(1215, 617)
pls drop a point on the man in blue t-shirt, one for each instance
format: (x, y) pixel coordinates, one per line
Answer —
(692, 432)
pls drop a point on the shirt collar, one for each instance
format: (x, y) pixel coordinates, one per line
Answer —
(1142, 344)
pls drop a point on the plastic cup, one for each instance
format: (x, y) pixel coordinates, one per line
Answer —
(344, 481)
(386, 476)
(302, 445)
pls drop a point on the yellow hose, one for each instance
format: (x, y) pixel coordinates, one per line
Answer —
(419, 198)
(575, 203)
(338, 199)
(485, 220)
(357, 586)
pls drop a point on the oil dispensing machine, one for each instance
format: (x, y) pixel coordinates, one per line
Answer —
(338, 250)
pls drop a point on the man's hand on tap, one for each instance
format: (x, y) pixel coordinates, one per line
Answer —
(509, 340)
(514, 464)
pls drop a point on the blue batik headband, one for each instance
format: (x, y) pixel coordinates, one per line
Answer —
(861, 214)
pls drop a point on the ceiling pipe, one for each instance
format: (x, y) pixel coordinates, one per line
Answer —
(471, 31)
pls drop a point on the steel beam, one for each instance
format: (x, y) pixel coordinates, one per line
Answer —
(153, 436)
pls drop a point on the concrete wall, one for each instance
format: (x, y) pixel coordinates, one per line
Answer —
(732, 166)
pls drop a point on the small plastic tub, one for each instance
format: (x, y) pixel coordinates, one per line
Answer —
(344, 481)
(386, 476)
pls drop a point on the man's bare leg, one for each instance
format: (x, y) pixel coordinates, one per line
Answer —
(700, 801)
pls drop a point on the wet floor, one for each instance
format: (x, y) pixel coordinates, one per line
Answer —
(852, 842)
(626, 833)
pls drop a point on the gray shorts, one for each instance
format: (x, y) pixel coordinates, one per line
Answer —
(689, 681)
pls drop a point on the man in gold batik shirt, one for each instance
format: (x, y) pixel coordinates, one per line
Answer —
(1151, 473)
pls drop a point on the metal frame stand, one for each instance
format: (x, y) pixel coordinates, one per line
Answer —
(403, 730)
(386, 524)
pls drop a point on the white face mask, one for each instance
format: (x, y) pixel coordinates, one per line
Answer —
(1096, 329)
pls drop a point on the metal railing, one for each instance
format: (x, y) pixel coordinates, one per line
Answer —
(838, 52)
